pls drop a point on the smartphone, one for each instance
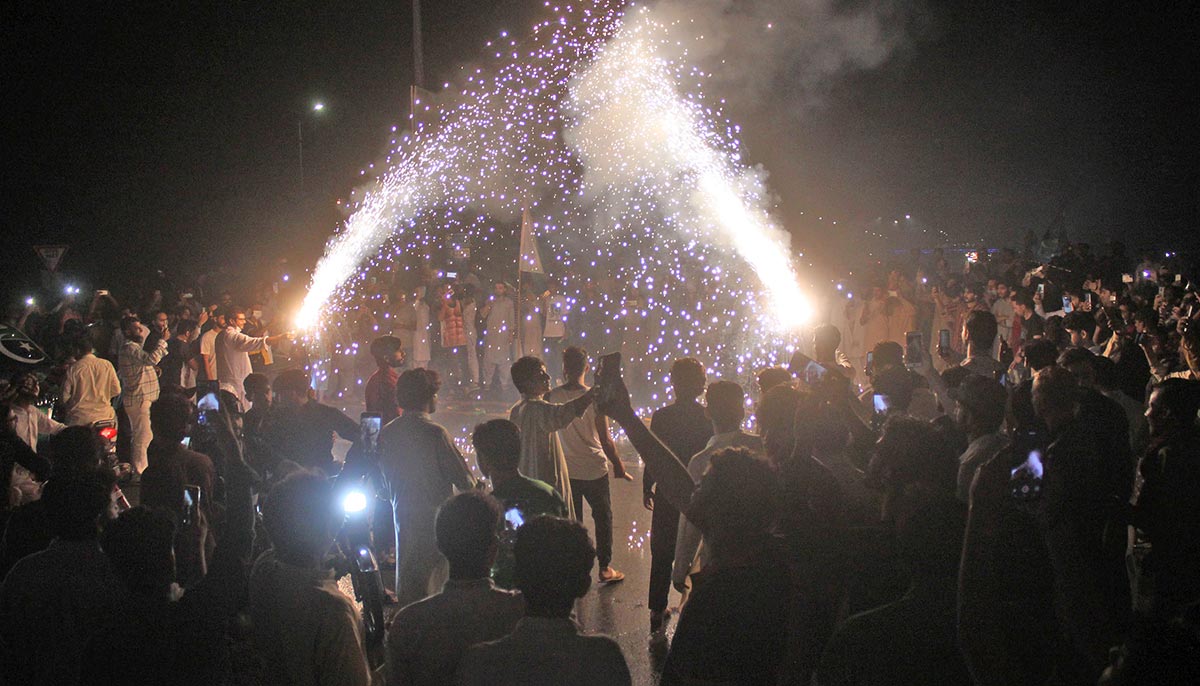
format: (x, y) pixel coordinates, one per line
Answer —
(1127, 278)
(893, 294)
(1087, 297)
(881, 403)
(102, 292)
(369, 425)
(870, 362)
(451, 275)
(1178, 279)
(972, 257)
(513, 519)
(208, 402)
(608, 376)
(913, 353)
(608, 369)
(1041, 290)
(806, 368)
(1067, 307)
(1162, 290)
(943, 340)
(191, 503)
(1025, 482)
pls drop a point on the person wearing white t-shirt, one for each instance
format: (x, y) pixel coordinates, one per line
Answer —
(588, 450)
(208, 348)
(29, 422)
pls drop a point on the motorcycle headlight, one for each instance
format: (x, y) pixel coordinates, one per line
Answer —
(354, 502)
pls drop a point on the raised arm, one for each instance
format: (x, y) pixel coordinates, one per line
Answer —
(674, 482)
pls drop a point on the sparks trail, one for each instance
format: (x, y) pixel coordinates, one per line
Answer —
(587, 122)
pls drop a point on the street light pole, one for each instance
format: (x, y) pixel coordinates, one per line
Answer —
(300, 142)
(317, 107)
(418, 52)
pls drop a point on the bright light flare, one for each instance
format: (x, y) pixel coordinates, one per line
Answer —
(354, 502)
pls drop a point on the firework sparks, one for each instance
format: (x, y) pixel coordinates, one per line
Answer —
(604, 133)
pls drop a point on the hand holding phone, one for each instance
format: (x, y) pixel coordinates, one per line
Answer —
(913, 353)
(807, 369)
(369, 426)
(191, 504)
(612, 398)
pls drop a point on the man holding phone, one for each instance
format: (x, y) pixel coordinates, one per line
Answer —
(588, 450)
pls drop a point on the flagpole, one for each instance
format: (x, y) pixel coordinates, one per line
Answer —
(520, 255)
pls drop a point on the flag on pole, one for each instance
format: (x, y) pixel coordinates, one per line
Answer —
(531, 262)
(18, 353)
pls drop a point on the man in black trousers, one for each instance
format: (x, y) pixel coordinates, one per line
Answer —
(685, 429)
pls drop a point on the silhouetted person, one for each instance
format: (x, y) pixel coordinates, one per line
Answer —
(914, 639)
(305, 628)
(554, 560)
(52, 601)
(685, 429)
(421, 466)
(426, 640)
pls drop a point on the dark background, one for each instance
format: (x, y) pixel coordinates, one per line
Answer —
(150, 135)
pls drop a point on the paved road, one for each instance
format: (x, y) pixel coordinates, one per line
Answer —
(619, 610)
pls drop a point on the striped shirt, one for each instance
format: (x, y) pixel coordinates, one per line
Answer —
(137, 372)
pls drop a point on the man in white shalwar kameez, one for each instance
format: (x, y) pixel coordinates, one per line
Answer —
(539, 421)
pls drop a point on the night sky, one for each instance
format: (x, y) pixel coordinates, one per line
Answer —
(151, 135)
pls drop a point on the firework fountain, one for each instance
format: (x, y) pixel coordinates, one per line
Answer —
(596, 123)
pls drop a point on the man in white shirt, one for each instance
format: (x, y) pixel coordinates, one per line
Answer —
(233, 350)
(89, 388)
(588, 449)
(139, 386)
(1003, 310)
(500, 315)
(725, 404)
(30, 421)
(208, 348)
(539, 422)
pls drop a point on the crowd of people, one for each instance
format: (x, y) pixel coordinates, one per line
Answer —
(979, 469)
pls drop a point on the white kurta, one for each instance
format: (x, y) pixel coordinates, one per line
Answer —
(497, 340)
(233, 350)
(541, 453)
(420, 341)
